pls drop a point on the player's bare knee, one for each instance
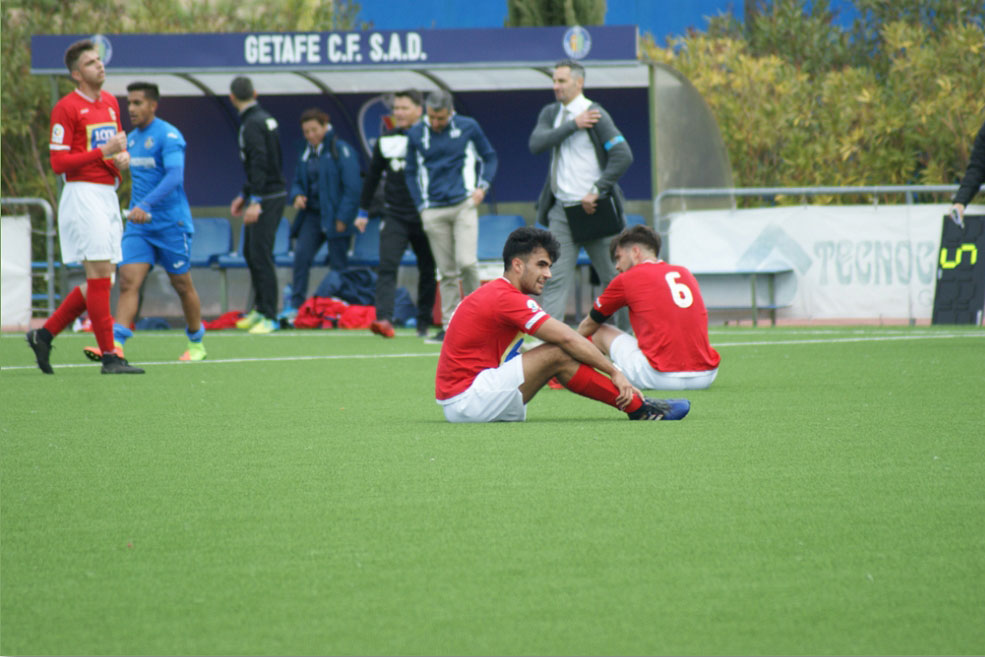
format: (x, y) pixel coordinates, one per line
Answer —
(129, 283)
(182, 284)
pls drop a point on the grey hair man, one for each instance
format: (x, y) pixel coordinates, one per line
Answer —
(588, 156)
(449, 167)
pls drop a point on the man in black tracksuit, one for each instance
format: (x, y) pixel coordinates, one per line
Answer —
(401, 221)
(974, 176)
(263, 198)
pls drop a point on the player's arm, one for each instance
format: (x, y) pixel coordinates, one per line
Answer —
(588, 325)
(60, 155)
(64, 161)
(604, 306)
(576, 346)
(174, 174)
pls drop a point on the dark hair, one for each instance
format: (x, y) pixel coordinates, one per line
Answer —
(411, 94)
(74, 51)
(151, 91)
(638, 234)
(577, 70)
(439, 99)
(523, 241)
(315, 114)
(242, 88)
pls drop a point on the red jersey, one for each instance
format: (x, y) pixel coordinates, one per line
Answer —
(485, 331)
(79, 126)
(667, 313)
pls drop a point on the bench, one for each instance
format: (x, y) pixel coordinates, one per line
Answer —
(769, 273)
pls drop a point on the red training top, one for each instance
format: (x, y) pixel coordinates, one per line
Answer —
(667, 313)
(79, 126)
(486, 330)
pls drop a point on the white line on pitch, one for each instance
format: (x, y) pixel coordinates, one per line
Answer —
(269, 359)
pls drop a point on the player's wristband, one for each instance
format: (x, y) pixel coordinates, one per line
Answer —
(362, 215)
(254, 199)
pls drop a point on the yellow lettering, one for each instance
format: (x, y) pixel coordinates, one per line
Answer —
(958, 256)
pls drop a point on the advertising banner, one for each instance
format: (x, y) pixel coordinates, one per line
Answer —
(298, 51)
(849, 262)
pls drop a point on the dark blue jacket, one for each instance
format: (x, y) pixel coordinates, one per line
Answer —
(442, 166)
(339, 184)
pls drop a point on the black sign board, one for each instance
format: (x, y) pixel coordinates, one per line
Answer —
(960, 294)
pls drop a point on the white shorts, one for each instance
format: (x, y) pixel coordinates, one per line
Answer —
(89, 223)
(625, 353)
(494, 396)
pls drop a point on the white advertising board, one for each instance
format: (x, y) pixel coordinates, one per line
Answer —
(849, 262)
(15, 271)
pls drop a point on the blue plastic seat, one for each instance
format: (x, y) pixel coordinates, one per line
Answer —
(409, 259)
(635, 219)
(282, 246)
(235, 259)
(213, 238)
(493, 231)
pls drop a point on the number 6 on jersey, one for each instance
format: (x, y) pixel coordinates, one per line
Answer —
(679, 292)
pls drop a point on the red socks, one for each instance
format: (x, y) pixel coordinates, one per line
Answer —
(97, 303)
(73, 306)
(589, 383)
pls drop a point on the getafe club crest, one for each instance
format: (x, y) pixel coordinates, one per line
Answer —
(149, 143)
(577, 42)
(103, 47)
(374, 118)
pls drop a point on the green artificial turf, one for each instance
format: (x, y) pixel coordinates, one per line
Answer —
(300, 493)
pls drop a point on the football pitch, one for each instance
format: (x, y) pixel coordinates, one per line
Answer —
(301, 493)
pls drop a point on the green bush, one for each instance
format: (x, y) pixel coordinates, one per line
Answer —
(807, 103)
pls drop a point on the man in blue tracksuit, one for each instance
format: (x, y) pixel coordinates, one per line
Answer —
(450, 165)
(325, 192)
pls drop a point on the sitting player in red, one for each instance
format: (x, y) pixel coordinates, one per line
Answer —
(671, 349)
(483, 377)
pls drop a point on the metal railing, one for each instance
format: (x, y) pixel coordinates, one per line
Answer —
(49, 233)
(717, 192)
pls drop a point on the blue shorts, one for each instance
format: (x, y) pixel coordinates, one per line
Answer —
(172, 250)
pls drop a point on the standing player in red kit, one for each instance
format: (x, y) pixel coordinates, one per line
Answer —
(88, 149)
(671, 349)
(483, 377)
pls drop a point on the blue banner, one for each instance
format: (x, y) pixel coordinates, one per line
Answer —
(381, 49)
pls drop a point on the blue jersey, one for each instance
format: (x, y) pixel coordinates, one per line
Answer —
(157, 164)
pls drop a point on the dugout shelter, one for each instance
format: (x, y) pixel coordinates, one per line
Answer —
(500, 76)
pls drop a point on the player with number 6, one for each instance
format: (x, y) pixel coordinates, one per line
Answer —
(671, 350)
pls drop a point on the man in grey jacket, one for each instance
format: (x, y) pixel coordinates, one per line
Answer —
(588, 156)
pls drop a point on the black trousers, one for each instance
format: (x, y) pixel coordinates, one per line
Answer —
(394, 237)
(309, 239)
(258, 250)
